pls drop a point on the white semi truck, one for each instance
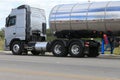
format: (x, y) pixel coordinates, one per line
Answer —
(26, 28)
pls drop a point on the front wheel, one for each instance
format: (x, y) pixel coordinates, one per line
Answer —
(76, 49)
(17, 48)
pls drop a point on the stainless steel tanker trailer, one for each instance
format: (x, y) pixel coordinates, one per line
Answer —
(69, 23)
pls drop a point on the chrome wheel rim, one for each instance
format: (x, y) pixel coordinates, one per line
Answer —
(75, 49)
(16, 48)
(57, 49)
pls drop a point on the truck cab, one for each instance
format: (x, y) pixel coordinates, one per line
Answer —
(24, 24)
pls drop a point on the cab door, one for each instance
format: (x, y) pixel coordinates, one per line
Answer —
(10, 30)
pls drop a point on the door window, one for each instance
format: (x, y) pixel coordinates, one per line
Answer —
(11, 21)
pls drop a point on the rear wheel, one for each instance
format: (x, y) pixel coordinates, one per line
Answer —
(59, 49)
(76, 49)
(17, 48)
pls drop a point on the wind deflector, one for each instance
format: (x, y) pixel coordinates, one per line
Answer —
(28, 19)
(22, 7)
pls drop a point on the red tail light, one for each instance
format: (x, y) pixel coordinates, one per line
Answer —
(87, 44)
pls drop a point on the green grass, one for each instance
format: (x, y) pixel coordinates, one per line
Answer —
(117, 51)
(1, 44)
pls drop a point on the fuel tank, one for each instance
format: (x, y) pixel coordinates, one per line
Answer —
(97, 16)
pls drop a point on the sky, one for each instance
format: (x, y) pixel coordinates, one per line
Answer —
(47, 5)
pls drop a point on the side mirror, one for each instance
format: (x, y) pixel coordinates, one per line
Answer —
(44, 28)
(6, 23)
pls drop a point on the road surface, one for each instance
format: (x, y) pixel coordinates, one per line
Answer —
(53, 68)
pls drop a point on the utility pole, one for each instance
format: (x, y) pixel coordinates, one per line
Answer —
(88, 0)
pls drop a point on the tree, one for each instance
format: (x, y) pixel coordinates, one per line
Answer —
(50, 36)
(2, 33)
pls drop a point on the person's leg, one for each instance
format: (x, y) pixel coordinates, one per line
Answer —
(112, 48)
(107, 46)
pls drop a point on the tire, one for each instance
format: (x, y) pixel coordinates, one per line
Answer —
(35, 53)
(93, 52)
(76, 49)
(59, 49)
(17, 48)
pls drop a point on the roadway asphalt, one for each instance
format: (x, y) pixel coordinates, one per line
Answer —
(30, 67)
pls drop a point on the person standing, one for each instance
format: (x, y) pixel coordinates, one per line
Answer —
(111, 41)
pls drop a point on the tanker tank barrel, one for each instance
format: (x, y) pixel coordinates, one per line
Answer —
(85, 20)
